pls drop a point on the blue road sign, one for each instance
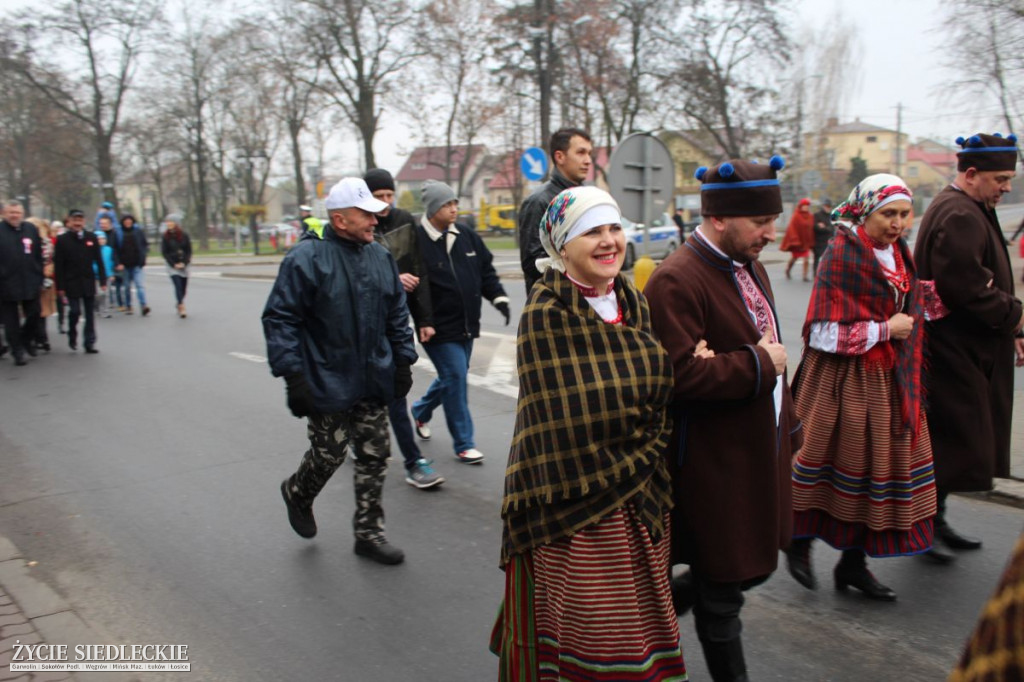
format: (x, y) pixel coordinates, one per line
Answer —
(534, 163)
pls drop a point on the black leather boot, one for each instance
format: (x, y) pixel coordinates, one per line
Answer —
(852, 571)
(725, 660)
(798, 561)
(953, 538)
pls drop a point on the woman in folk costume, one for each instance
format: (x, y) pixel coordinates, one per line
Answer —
(585, 543)
(799, 238)
(863, 481)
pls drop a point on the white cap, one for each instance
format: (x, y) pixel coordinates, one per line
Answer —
(306, 208)
(349, 192)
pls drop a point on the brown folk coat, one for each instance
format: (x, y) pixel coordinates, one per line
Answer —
(969, 375)
(731, 464)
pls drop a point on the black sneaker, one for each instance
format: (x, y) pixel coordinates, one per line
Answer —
(91, 350)
(382, 552)
(300, 517)
(145, 310)
(30, 348)
(20, 361)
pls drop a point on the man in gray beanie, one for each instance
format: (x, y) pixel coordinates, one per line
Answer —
(459, 269)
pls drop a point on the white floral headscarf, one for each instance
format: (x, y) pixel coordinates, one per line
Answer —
(570, 214)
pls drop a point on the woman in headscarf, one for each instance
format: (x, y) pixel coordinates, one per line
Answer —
(585, 513)
(176, 248)
(864, 481)
(799, 238)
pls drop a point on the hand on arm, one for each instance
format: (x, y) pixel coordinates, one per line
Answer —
(776, 350)
(900, 326)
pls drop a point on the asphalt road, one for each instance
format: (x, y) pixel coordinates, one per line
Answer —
(143, 481)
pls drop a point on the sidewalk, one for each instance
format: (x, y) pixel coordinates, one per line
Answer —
(32, 613)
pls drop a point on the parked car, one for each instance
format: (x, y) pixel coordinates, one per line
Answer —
(664, 239)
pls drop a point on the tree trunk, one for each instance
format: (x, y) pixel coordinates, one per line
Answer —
(294, 130)
(367, 125)
(105, 166)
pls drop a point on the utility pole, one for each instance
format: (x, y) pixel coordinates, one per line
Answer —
(899, 136)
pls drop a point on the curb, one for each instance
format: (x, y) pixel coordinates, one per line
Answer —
(50, 618)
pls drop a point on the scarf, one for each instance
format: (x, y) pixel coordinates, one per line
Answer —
(870, 194)
(591, 427)
(799, 233)
(570, 213)
(851, 287)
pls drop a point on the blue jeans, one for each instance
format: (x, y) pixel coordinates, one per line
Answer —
(449, 390)
(134, 274)
(398, 412)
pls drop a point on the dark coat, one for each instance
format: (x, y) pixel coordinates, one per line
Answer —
(21, 262)
(530, 215)
(337, 315)
(124, 255)
(823, 231)
(970, 352)
(398, 233)
(73, 260)
(731, 463)
(459, 281)
(174, 250)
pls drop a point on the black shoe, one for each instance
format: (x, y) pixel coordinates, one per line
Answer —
(145, 310)
(91, 350)
(72, 343)
(45, 345)
(725, 660)
(798, 561)
(954, 539)
(20, 361)
(381, 552)
(939, 552)
(3, 351)
(301, 517)
(684, 594)
(862, 579)
(30, 348)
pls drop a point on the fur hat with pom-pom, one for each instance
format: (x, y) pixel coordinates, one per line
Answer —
(987, 152)
(741, 188)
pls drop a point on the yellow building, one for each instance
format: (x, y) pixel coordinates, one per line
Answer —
(689, 152)
(831, 148)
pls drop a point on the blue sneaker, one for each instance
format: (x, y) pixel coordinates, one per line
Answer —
(422, 475)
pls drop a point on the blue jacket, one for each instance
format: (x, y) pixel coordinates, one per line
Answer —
(109, 262)
(337, 315)
(459, 280)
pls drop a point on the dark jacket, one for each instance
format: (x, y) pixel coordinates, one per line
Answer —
(176, 251)
(459, 279)
(970, 351)
(337, 315)
(74, 257)
(21, 262)
(530, 215)
(141, 245)
(823, 231)
(398, 233)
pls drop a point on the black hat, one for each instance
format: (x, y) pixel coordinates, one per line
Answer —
(378, 178)
(741, 188)
(75, 213)
(987, 152)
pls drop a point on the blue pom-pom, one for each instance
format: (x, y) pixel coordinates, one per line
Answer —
(1011, 138)
(777, 162)
(701, 172)
(960, 141)
(975, 141)
(726, 170)
(997, 134)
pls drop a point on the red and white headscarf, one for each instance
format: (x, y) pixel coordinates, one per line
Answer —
(871, 194)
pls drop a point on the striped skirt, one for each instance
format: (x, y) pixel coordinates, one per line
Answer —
(593, 606)
(860, 481)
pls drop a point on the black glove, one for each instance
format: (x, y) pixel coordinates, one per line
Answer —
(403, 380)
(503, 309)
(300, 397)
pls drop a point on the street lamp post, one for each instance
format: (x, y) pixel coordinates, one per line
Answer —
(252, 197)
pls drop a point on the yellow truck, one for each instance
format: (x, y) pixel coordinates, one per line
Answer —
(497, 218)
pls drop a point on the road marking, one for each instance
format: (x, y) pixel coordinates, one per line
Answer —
(249, 356)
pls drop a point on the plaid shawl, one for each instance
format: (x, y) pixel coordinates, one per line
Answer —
(851, 287)
(591, 423)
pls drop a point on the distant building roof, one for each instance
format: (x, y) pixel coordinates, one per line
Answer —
(427, 163)
(856, 126)
(937, 159)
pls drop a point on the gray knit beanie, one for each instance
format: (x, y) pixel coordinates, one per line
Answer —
(434, 196)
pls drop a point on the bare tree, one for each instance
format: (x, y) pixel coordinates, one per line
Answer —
(726, 52)
(361, 45)
(92, 49)
(987, 55)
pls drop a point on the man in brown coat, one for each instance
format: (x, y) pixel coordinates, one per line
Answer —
(970, 376)
(735, 422)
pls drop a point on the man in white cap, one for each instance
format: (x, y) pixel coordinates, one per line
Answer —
(337, 330)
(310, 223)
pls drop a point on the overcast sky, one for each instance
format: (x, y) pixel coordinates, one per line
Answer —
(902, 54)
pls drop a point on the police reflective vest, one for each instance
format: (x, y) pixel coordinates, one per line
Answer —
(313, 224)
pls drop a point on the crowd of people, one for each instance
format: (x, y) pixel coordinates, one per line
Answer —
(62, 269)
(660, 428)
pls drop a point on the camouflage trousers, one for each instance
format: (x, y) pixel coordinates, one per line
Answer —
(365, 427)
